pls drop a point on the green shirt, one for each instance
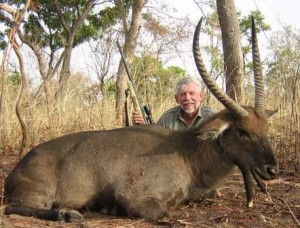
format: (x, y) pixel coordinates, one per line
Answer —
(173, 118)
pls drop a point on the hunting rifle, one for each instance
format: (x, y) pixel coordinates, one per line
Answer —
(144, 111)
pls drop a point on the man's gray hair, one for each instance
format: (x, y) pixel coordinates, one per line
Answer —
(186, 81)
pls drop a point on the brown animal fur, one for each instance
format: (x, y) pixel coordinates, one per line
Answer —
(144, 170)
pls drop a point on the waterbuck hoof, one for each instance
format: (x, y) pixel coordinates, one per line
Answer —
(213, 194)
(250, 204)
(69, 215)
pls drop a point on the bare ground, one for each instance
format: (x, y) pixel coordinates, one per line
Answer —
(280, 209)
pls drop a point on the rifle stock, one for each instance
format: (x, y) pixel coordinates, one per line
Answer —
(134, 99)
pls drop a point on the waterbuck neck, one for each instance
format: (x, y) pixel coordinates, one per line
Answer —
(208, 163)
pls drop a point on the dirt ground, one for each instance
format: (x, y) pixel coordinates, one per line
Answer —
(280, 209)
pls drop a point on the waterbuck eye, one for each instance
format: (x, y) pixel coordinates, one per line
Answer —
(243, 133)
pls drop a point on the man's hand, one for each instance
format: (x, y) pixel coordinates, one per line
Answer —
(137, 118)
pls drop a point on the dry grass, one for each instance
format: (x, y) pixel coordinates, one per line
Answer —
(78, 112)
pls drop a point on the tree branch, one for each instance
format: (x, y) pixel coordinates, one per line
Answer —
(81, 18)
(61, 17)
(120, 5)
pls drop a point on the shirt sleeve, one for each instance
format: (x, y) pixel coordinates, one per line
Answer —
(207, 111)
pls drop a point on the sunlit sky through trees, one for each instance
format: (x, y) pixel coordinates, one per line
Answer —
(277, 14)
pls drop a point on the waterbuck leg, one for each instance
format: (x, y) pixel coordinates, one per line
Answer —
(69, 215)
(47, 214)
(248, 186)
(66, 215)
(259, 183)
(148, 207)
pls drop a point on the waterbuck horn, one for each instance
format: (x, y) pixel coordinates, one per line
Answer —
(257, 68)
(230, 104)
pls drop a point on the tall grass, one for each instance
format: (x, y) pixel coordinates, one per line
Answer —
(79, 112)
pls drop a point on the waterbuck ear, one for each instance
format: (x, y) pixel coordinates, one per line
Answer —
(271, 112)
(212, 129)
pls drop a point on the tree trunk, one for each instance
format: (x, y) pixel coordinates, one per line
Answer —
(70, 35)
(20, 103)
(65, 70)
(131, 35)
(232, 49)
(24, 87)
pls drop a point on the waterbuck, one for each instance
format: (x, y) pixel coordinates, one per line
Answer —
(145, 170)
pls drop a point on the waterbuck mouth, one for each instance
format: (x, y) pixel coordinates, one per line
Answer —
(267, 173)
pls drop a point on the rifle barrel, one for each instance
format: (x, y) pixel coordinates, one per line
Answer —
(132, 88)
